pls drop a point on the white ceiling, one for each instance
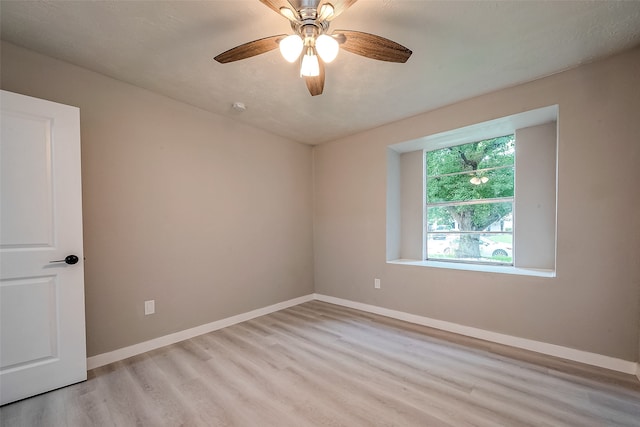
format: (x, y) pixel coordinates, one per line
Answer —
(460, 49)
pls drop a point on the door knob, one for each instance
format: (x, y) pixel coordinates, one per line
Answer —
(69, 259)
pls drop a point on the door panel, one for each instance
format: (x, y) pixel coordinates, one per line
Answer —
(30, 303)
(42, 324)
(26, 159)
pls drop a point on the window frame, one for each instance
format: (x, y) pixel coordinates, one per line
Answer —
(480, 233)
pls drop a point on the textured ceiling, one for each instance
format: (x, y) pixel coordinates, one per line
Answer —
(460, 49)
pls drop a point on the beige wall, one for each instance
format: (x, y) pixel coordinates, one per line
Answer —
(208, 217)
(535, 202)
(592, 304)
(412, 201)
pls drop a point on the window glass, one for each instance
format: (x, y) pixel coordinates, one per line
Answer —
(470, 190)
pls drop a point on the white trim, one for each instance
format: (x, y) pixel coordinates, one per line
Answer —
(586, 357)
(487, 268)
(480, 131)
(133, 350)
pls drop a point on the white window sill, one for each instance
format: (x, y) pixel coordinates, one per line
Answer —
(477, 267)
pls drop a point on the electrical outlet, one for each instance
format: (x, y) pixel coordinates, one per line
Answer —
(376, 283)
(149, 307)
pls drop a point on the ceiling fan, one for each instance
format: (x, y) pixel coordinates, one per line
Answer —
(310, 20)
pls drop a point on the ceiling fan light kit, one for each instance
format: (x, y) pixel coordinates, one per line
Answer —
(327, 47)
(310, 66)
(291, 47)
(310, 24)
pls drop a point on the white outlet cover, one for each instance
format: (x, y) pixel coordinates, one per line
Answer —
(149, 307)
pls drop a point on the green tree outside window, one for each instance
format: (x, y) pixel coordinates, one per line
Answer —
(471, 186)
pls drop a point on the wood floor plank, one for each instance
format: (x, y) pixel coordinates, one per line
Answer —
(318, 364)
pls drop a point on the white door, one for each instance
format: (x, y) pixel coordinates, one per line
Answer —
(42, 324)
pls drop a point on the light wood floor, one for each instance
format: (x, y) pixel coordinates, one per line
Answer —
(318, 364)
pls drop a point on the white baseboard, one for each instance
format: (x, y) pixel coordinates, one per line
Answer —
(586, 357)
(133, 350)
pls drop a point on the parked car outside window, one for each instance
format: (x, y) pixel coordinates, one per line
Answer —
(488, 248)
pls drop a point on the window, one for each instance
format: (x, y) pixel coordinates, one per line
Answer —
(470, 201)
(445, 210)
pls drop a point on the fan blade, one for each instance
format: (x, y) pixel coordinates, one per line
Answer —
(316, 84)
(250, 49)
(276, 5)
(372, 46)
(339, 6)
